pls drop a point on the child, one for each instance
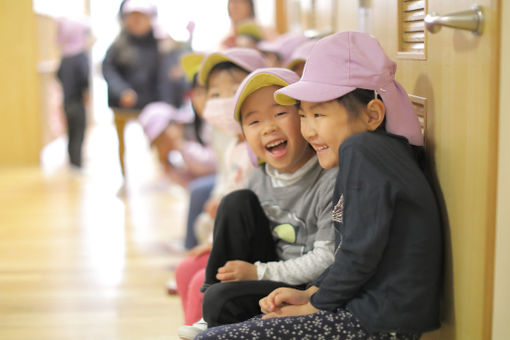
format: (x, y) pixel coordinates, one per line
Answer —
(298, 57)
(199, 189)
(279, 232)
(131, 66)
(73, 37)
(385, 281)
(279, 51)
(170, 131)
(221, 73)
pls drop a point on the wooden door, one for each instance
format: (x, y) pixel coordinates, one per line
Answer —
(453, 76)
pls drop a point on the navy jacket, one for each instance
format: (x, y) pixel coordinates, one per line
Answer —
(388, 261)
(132, 63)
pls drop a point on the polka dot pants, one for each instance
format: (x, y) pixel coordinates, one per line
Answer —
(323, 325)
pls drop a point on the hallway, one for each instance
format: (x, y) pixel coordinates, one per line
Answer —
(78, 261)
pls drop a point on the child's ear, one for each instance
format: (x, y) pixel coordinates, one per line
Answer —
(374, 114)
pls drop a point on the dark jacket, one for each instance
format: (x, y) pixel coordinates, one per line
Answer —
(388, 264)
(132, 63)
(73, 74)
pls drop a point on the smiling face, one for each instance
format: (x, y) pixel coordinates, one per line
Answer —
(272, 131)
(326, 126)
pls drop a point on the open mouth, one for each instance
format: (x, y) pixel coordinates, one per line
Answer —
(319, 148)
(277, 148)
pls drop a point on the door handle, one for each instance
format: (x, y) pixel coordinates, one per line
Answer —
(471, 20)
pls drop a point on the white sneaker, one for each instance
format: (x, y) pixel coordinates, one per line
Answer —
(189, 332)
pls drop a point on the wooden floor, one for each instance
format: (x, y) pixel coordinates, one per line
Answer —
(79, 261)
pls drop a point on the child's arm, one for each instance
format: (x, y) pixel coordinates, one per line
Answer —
(116, 83)
(308, 267)
(364, 211)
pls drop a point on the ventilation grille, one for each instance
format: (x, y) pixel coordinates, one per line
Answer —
(412, 28)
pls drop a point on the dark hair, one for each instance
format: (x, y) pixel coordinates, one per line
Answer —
(197, 122)
(357, 100)
(224, 66)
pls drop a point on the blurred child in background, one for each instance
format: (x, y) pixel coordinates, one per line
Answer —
(131, 66)
(73, 38)
(298, 58)
(170, 131)
(278, 52)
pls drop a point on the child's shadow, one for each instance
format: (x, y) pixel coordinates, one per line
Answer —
(424, 85)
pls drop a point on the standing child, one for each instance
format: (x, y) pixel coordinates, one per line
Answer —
(279, 232)
(131, 66)
(386, 278)
(73, 37)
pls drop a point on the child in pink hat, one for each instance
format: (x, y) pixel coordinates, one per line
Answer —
(221, 73)
(279, 51)
(278, 232)
(298, 58)
(73, 38)
(169, 131)
(385, 281)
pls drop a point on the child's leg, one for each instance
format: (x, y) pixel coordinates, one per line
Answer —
(199, 192)
(184, 274)
(195, 297)
(232, 302)
(121, 119)
(321, 325)
(75, 119)
(241, 232)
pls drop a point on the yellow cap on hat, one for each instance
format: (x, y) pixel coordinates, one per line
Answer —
(190, 64)
(259, 79)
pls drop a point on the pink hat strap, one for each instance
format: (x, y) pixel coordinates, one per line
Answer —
(401, 118)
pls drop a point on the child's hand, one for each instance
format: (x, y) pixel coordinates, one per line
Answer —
(211, 206)
(281, 297)
(291, 310)
(237, 271)
(128, 98)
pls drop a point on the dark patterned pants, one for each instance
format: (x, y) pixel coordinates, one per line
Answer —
(323, 325)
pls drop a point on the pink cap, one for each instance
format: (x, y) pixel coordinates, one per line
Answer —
(343, 62)
(284, 45)
(156, 116)
(301, 53)
(72, 35)
(248, 59)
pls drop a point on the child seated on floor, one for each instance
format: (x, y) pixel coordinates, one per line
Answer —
(278, 232)
(220, 73)
(385, 281)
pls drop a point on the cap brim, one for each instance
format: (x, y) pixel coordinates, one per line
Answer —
(294, 62)
(255, 83)
(208, 64)
(190, 63)
(309, 91)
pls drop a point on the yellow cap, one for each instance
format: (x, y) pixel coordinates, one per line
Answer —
(259, 79)
(251, 29)
(190, 64)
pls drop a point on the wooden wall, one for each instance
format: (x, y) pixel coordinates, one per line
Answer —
(20, 119)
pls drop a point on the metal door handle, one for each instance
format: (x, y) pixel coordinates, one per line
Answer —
(471, 20)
